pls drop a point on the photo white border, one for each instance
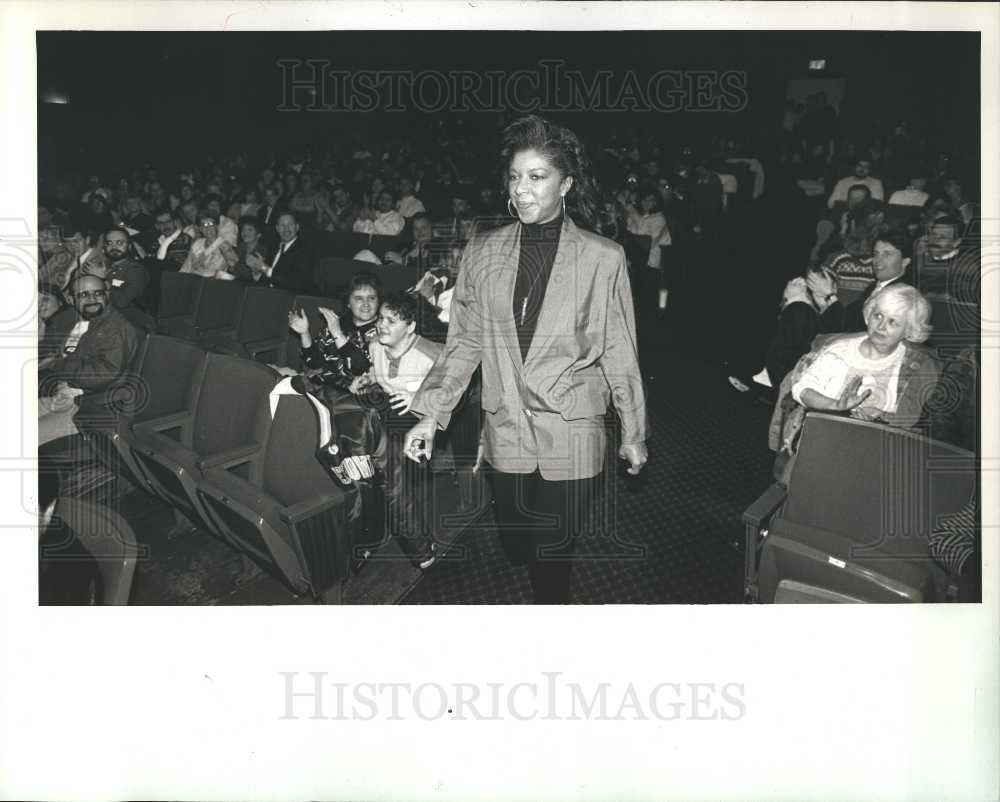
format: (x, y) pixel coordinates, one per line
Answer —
(842, 702)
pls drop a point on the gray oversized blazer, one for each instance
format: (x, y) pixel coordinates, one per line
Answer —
(546, 411)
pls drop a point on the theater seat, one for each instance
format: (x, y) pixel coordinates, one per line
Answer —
(109, 540)
(262, 330)
(168, 382)
(861, 501)
(333, 273)
(287, 512)
(229, 422)
(220, 304)
(179, 294)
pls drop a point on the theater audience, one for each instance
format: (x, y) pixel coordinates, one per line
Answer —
(459, 225)
(871, 368)
(126, 278)
(294, 260)
(913, 194)
(228, 230)
(383, 220)
(268, 211)
(210, 256)
(245, 204)
(77, 251)
(304, 202)
(401, 360)
(92, 347)
(798, 325)
(340, 351)
(253, 252)
(890, 263)
(862, 175)
(99, 217)
(878, 375)
(408, 204)
(337, 213)
(138, 223)
(173, 245)
(964, 209)
(50, 303)
(422, 252)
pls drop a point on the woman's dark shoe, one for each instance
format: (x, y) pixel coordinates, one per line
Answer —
(422, 558)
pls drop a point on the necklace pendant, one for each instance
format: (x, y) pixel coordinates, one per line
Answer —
(524, 308)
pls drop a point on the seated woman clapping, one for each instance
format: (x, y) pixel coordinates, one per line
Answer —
(880, 374)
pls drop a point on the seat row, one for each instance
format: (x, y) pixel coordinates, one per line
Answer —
(853, 522)
(201, 432)
(245, 320)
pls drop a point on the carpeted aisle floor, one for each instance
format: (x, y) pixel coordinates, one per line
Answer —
(670, 533)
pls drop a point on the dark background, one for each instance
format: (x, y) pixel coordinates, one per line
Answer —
(151, 96)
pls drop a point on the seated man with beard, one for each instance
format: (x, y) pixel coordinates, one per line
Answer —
(94, 345)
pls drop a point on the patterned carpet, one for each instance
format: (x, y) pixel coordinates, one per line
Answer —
(667, 537)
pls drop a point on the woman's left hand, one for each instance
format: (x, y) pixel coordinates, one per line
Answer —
(636, 454)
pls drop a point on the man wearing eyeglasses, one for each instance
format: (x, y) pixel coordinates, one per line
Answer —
(94, 346)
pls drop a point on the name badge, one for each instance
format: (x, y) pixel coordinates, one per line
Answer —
(117, 282)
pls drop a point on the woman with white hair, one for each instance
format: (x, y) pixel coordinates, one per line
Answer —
(880, 374)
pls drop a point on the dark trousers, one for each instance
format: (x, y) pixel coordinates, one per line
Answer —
(538, 521)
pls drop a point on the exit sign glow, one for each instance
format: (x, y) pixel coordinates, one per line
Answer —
(817, 64)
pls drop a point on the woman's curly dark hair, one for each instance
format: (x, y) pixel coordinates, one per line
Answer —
(566, 153)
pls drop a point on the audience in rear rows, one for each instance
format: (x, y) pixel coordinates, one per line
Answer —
(866, 278)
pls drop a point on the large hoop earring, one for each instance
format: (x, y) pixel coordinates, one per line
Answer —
(510, 211)
(564, 206)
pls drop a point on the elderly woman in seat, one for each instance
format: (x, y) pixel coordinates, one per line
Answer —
(881, 374)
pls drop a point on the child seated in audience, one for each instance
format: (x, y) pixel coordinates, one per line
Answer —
(401, 360)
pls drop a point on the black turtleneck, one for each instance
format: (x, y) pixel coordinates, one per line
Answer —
(539, 242)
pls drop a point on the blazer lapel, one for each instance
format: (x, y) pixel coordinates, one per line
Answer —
(561, 288)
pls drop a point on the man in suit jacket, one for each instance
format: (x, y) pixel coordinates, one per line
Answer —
(544, 408)
(294, 261)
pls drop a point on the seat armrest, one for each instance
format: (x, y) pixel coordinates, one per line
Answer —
(162, 423)
(763, 508)
(754, 517)
(226, 331)
(230, 458)
(308, 508)
(260, 346)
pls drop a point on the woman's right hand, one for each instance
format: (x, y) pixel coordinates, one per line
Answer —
(850, 397)
(298, 322)
(332, 321)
